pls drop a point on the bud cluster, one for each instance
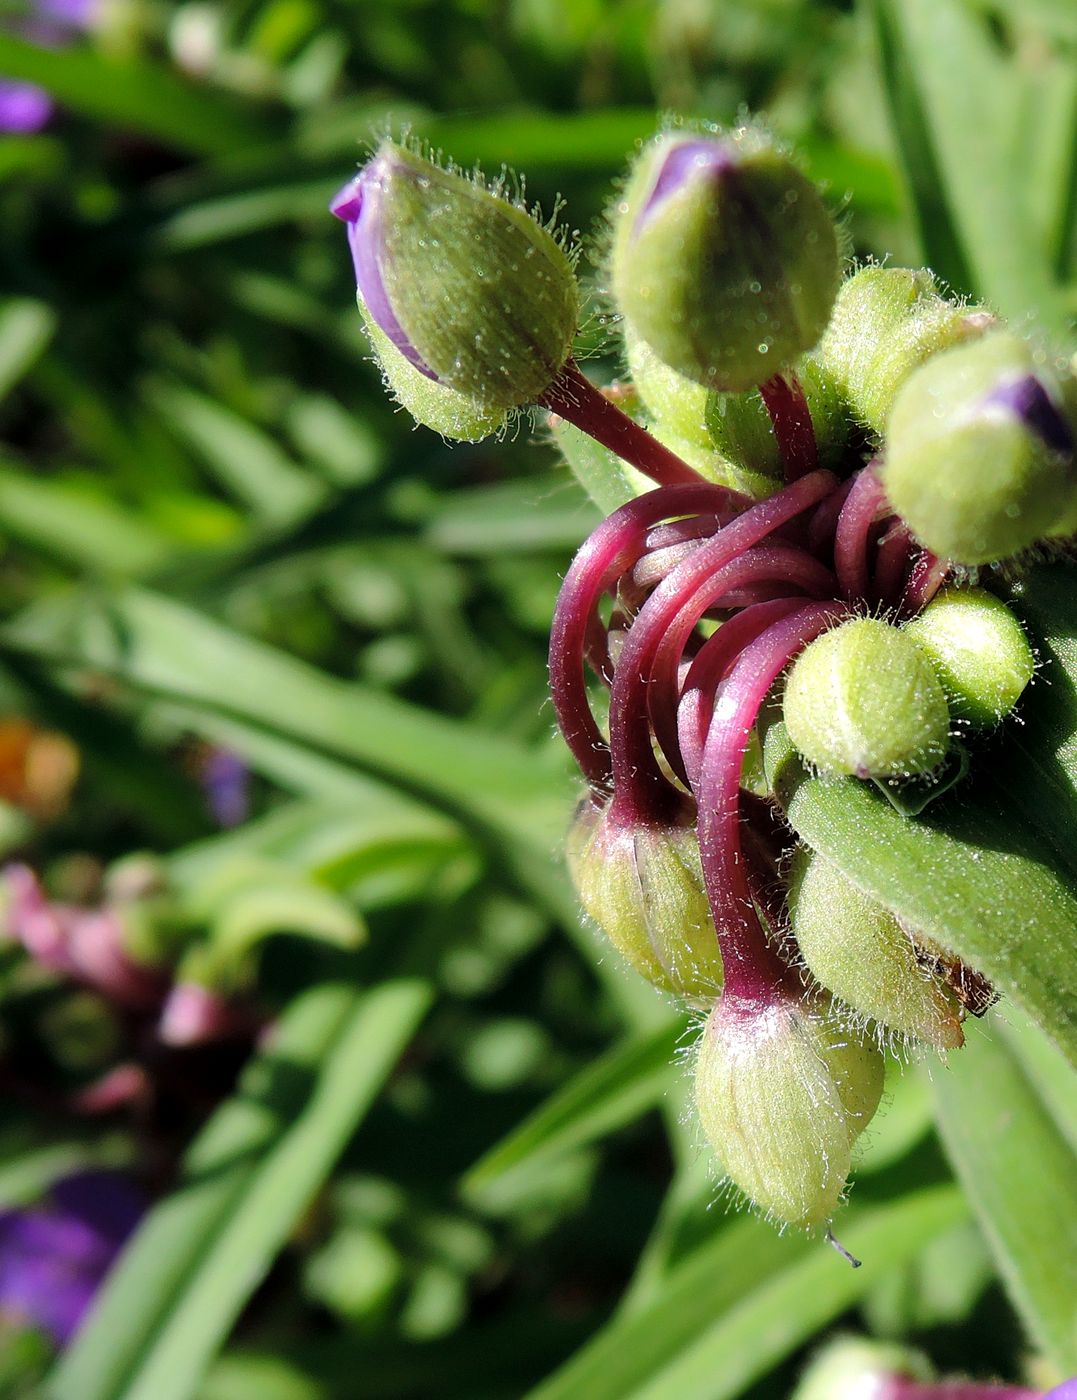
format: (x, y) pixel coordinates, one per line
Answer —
(810, 468)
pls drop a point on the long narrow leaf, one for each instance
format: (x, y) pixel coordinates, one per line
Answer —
(1020, 1175)
(186, 1276)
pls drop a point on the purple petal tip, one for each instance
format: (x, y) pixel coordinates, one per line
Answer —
(347, 202)
(688, 160)
(1028, 400)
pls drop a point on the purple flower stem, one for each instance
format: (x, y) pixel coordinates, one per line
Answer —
(573, 396)
(708, 670)
(639, 786)
(899, 1388)
(754, 973)
(852, 536)
(789, 569)
(926, 577)
(893, 559)
(610, 549)
(791, 420)
(824, 520)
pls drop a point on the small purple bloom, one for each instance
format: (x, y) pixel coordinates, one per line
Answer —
(26, 108)
(1066, 1391)
(360, 205)
(226, 781)
(686, 161)
(54, 1257)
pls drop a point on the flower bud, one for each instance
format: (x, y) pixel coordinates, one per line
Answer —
(473, 292)
(980, 450)
(783, 1092)
(643, 886)
(857, 950)
(854, 1368)
(725, 259)
(979, 651)
(886, 321)
(863, 699)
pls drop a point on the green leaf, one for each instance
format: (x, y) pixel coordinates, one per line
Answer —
(743, 1302)
(183, 1281)
(82, 530)
(966, 873)
(135, 93)
(26, 327)
(615, 1090)
(244, 459)
(1020, 1175)
(950, 71)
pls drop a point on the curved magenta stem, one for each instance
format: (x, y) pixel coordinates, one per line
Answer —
(573, 396)
(852, 536)
(789, 569)
(610, 549)
(637, 780)
(791, 420)
(893, 560)
(754, 973)
(899, 1388)
(926, 577)
(708, 670)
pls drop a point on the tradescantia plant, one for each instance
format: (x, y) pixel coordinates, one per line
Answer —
(814, 472)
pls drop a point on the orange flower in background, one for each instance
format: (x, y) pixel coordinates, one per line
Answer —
(38, 767)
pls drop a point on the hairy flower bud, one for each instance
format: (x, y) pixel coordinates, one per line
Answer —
(725, 259)
(980, 450)
(857, 950)
(474, 293)
(643, 886)
(979, 651)
(783, 1093)
(886, 321)
(863, 699)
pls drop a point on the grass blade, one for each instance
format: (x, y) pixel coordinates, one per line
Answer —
(197, 1258)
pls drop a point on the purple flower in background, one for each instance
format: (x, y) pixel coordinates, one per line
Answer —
(54, 1256)
(1066, 1391)
(25, 107)
(226, 781)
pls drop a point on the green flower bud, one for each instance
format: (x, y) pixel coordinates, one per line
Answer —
(858, 951)
(474, 292)
(886, 321)
(643, 886)
(979, 651)
(725, 259)
(980, 450)
(863, 699)
(783, 1093)
(434, 405)
(854, 1368)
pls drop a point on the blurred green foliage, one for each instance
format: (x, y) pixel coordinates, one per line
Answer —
(460, 1168)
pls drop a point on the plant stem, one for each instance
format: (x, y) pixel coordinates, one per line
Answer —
(899, 1388)
(637, 780)
(791, 419)
(754, 974)
(605, 554)
(573, 396)
(852, 534)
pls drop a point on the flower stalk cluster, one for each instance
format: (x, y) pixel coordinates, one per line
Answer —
(823, 461)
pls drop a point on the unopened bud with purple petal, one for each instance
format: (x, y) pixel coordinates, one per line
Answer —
(725, 258)
(980, 450)
(459, 286)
